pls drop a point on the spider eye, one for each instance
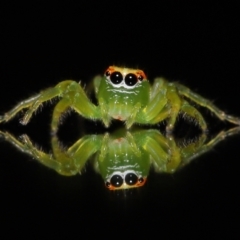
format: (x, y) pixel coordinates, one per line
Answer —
(140, 77)
(131, 79)
(131, 179)
(116, 181)
(108, 184)
(107, 73)
(116, 77)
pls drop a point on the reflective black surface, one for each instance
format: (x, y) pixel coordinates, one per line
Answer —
(194, 44)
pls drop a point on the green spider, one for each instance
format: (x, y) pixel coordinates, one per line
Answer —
(123, 158)
(124, 94)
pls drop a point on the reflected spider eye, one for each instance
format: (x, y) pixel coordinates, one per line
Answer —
(131, 79)
(140, 180)
(116, 77)
(131, 179)
(116, 181)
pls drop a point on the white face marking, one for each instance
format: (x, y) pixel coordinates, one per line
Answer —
(124, 85)
(122, 174)
(122, 91)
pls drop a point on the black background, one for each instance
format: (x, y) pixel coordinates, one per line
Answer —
(42, 44)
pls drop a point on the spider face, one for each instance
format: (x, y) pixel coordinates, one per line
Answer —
(124, 180)
(124, 77)
(122, 90)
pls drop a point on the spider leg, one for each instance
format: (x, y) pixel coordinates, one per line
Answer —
(58, 111)
(74, 158)
(200, 147)
(164, 114)
(164, 152)
(206, 103)
(174, 153)
(69, 90)
(191, 111)
(75, 98)
(164, 103)
(26, 146)
(34, 102)
(155, 110)
(104, 112)
(15, 142)
(132, 118)
(193, 149)
(65, 162)
(175, 103)
(47, 160)
(24, 104)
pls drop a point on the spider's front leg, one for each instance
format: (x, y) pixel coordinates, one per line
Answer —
(71, 94)
(167, 96)
(163, 150)
(164, 103)
(25, 145)
(175, 105)
(207, 104)
(155, 110)
(65, 162)
(201, 146)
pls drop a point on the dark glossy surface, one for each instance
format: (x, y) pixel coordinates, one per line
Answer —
(43, 44)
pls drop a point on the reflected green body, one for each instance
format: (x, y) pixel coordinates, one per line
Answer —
(120, 153)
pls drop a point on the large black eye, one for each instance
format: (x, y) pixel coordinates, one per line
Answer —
(116, 181)
(131, 79)
(131, 179)
(116, 77)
